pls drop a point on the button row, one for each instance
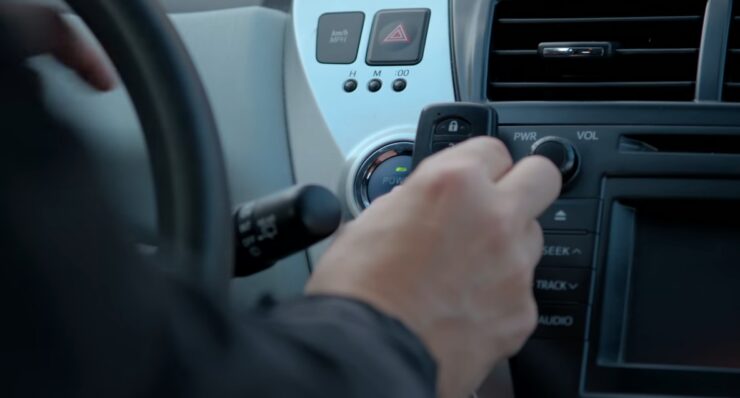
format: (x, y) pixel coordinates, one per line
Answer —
(375, 85)
(562, 280)
(398, 37)
(562, 285)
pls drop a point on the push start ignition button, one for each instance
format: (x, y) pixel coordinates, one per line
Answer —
(383, 170)
(388, 175)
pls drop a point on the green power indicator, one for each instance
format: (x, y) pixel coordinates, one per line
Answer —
(401, 169)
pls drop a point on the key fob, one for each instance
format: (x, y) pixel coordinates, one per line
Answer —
(446, 125)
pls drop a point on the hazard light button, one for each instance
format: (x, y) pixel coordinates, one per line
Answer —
(398, 37)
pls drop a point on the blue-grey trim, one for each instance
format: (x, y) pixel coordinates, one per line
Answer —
(713, 54)
(472, 21)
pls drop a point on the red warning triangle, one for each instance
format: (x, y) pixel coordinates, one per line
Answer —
(397, 35)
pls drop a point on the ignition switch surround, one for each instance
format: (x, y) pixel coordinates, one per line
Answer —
(370, 165)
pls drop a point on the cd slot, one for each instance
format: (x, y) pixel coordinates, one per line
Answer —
(681, 143)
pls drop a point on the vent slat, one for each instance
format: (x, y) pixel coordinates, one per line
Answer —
(654, 50)
(731, 89)
(515, 52)
(531, 21)
(620, 51)
(593, 85)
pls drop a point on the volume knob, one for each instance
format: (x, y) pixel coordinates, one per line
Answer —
(561, 152)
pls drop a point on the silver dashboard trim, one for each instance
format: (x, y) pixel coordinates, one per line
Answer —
(349, 122)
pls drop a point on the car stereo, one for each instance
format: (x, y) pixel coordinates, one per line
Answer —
(639, 285)
(638, 288)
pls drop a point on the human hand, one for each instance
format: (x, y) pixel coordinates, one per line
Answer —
(452, 254)
(39, 30)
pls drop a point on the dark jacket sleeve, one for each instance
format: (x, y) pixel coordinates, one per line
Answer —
(84, 316)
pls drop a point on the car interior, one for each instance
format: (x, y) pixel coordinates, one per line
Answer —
(323, 106)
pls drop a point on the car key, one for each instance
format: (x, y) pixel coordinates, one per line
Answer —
(445, 125)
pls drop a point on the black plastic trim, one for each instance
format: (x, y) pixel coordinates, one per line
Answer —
(641, 51)
(618, 113)
(600, 377)
(453, 50)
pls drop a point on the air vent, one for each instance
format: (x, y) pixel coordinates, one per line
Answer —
(559, 50)
(731, 92)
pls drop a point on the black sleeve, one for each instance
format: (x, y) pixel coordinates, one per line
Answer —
(84, 316)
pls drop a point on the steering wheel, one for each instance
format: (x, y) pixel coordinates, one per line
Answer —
(194, 210)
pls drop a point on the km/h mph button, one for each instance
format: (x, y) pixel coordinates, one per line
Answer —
(338, 37)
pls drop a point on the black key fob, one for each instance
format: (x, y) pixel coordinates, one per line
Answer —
(446, 125)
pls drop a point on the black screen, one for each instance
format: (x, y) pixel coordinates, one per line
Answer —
(684, 286)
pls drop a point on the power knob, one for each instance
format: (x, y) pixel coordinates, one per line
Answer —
(561, 152)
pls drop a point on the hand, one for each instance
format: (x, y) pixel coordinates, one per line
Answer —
(452, 254)
(40, 30)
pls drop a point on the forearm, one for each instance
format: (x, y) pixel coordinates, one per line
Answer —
(327, 346)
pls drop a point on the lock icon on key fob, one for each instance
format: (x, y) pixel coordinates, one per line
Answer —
(443, 126)
(454, 127)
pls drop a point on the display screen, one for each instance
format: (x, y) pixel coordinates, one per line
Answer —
(683, 292)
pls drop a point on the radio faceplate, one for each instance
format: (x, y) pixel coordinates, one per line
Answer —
(582, 290)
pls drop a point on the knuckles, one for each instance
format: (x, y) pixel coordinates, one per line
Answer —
(502, 228)
(497, 149)
(447, 179)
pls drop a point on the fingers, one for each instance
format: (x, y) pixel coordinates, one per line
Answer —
(30, 26)
(70, 48)
(38, 30)
(534, 184)
(534, 243)
(490, 153)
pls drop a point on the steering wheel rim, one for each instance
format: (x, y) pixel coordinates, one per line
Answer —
(194, 209)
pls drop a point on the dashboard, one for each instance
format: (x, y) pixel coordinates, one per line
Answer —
(637, 102)
(633, 100)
